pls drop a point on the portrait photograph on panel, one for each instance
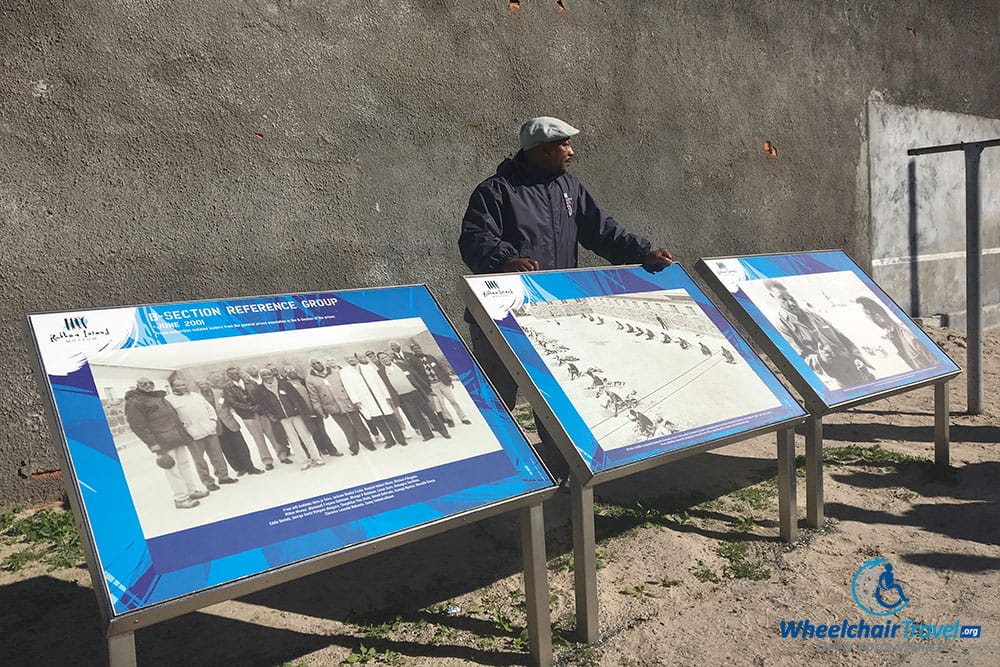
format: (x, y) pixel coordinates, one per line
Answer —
(631, 364)
(840, 333)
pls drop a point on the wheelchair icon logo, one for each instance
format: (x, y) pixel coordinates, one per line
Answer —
(876, 590)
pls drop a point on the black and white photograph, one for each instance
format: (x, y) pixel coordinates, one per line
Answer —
(839, 327)
(643, 365)
(208, 430)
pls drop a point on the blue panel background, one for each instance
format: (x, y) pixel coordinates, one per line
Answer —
(781, 266)
(140, 573)
(576, 284)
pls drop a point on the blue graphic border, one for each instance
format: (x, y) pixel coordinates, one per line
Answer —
(797, 264)
(140, 573)
(577, 284)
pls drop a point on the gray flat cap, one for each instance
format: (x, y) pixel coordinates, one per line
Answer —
(543, 129)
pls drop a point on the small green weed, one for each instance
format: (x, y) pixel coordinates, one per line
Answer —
(740, 566)
(704, 573)
(603, 557)
(640, 591)
(562, 563)
(362, 656)
(758, 496)
(392, 658)
(665, 582)
(872, 454)
(681, 518)
(379, 623)
(582, 655)
(501, 608)
(49, 536)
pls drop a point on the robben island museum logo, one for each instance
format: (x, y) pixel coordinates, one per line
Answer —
(877, 593)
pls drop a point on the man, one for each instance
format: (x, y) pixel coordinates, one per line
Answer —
(411, 396)
(532, 215)
(371, 398)
(276, 435)
(234, 446)
(313, 416)
(371, 357)
(199, 420)
(328, 397)
(823, 346)
(155, 422)
(278, 401)
(239, 394)
(437, 376)
(906, 344)
(398, 354)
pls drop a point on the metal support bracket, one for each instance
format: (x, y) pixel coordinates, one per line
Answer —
(814, 471)
(536, 586)
(584, 562)
(787, 506)
(942, 436)
(121, 650)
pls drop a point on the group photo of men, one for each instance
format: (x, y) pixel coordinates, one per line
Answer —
(219, 427)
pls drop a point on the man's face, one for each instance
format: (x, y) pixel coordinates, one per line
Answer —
(351, 359)
(331, 363)
(179, 386)
(416, 349)
(384, 359)
(317, 365)
(145, 384)
(786, 300)
(556, 156)
(394, 346)
(290, 372)
(879, 318)
(252, 371)
(233, 373)
(203, 384)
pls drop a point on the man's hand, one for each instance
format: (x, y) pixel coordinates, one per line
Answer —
(657, 260)
(519, 265)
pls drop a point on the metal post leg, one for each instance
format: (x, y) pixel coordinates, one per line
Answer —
(536, 585)
(787, 518)
(814, 471)
(584, 562)
(942, 437)
(121, 650)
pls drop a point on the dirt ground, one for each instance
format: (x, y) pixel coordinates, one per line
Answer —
(691, 568)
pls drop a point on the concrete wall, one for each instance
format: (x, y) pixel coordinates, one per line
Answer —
(918, 210)
(159, 150)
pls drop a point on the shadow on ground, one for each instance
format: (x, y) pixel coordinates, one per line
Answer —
(49, 621)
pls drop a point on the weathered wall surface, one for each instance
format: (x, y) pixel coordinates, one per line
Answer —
(918, 221)
(158, 151)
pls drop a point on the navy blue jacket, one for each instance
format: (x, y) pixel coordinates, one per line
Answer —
(521, 211)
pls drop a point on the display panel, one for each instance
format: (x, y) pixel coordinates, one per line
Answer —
(213, 441)
(632, 364)
(841, 338)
